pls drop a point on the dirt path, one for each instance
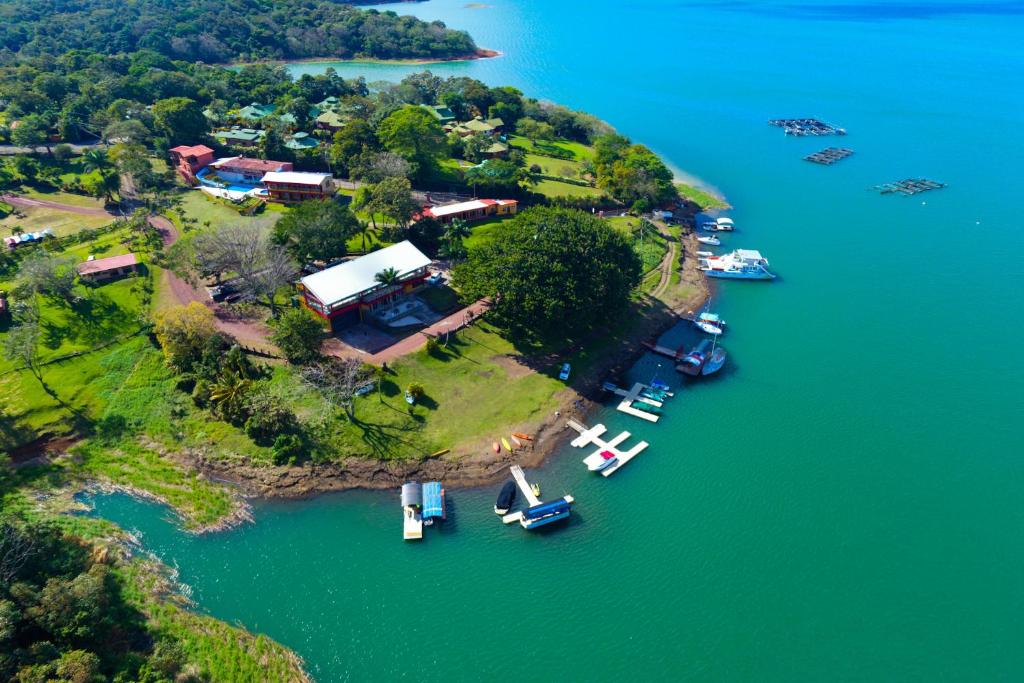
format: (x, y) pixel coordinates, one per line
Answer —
(29, 203)
(668, 262)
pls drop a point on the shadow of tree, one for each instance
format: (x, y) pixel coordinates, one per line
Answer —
(384, 439)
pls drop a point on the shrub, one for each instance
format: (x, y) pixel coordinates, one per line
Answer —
(298, 334)
(415, 390)
(201, 393)
(268, 419)
(287, 449)
(111, 427)
(63, 152)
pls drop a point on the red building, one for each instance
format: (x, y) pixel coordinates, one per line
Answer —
(190, 160)
(475, 210)
(248, 171)
(346, 292)
(290, 187)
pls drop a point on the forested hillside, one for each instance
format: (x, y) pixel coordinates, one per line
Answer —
(222, 30)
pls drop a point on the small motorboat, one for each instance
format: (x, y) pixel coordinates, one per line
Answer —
(715, 362)
(708, 327)
(658, 385)
(506, 498)
(709, 239)
(705, 254)
(496, 446)
(535, 487)
(506, 444)
(723, 224)
(606, 460)
(655, 394)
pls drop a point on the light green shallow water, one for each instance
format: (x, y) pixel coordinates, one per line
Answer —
(844, 502)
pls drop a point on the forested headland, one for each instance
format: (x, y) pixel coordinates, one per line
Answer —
(215, 31)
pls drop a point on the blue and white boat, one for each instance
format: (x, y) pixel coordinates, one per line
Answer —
(545, 513)
(711, 323)
(742, 264)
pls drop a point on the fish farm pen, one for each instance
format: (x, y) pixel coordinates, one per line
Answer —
(910, 186)
(829, 155)
(805, 127)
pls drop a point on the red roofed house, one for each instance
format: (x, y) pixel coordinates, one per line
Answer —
(248, 171)
(190, 160)
(98, 270)
(475, 210)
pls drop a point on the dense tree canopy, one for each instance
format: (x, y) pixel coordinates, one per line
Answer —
(415, 135)
(553, 273)
(223, 30)
(316, 230)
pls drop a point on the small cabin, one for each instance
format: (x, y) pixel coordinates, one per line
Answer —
(110, 268)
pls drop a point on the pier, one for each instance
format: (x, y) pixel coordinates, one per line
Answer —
(674, 354)
(592, 435)
(524, 486)
(910, 186)
(829, 155)
(805, 127)
(629, 397)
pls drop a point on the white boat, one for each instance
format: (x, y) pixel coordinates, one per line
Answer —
(714, 362)
(742, 264)
(606, 460)
(709, 239)
(723, 224)
(711, 323)
(705, 253)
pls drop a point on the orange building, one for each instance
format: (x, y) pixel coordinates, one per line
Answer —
(188, 161)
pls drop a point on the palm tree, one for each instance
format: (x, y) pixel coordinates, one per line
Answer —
(97, 160)
(229, 393)
(364, 230)
(458, 229)
(388, 277)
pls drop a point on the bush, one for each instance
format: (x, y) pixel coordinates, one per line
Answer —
(268, 419)
(287, 449)
(201, 393)
(298, 334)
(415, 390)
(63, 152)
(111, 427)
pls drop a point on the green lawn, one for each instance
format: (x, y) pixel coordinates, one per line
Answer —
(702, 198)
(483, 232)
(579, 151)
(563, 168)
(61, 222)
(202, 208)
(554, 188)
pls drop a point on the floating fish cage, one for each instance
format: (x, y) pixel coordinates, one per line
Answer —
(910, 186)
(805, 127)
(829, 155)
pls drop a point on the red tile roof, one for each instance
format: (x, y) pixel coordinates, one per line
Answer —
(193, 151)
(101, 265)
(244, 164)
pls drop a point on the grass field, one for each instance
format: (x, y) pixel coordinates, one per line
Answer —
(202, 208)
(579, 151)
(483, 232)
(702, 198)
(562, 168)
(553, 188)
(61, 222)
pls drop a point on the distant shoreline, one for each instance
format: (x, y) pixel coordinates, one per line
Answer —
(481, 53)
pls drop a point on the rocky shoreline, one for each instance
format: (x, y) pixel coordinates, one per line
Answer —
(469, 465)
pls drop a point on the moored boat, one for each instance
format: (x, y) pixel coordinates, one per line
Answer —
(646, 407)
(692, 363)
(742, 264)
(714, 362)
(711, 323)
(710, 240)
(535, 487)
(506, 498)
(606, 460)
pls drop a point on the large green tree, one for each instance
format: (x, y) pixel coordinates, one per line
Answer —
(180, 119)
(414, 134)
(316, 230)
(553, 274)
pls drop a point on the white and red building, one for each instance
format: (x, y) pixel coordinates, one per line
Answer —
(291, 186)
(474, 210)
(345, 293)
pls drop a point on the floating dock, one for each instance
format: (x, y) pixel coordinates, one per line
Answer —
(592, 436)
(910, 186)
(412, 504)
(632, 396)
(539, 513)
(805, 127)
(674, 354)
(829, 155)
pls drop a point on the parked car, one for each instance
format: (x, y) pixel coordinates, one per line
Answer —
(564, 374)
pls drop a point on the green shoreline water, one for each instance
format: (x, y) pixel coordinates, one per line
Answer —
(843, 502)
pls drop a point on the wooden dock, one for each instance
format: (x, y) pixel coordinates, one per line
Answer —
(908, 187)
(592, 436)
(829, 155)
(674, 354)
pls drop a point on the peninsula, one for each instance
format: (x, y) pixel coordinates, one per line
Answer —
(216, 274)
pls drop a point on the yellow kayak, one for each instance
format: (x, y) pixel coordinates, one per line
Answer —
(506, 444)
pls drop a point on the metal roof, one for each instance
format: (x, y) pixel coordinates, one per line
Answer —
(357, 276)
(433, 503)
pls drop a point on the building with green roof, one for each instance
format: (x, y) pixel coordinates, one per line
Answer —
(255, 112)
(239, 137)
(301, 142)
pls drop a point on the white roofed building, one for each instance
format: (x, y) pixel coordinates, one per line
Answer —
(343, 292)
(289, 187)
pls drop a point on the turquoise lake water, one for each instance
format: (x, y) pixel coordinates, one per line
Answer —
(844, 502)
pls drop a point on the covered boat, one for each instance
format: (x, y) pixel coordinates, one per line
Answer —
(433, 502)
(412, 503)
(714, 362)
(711, 323)
(545, 513)
(742, 264)
(506, 498)
(692, 363)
